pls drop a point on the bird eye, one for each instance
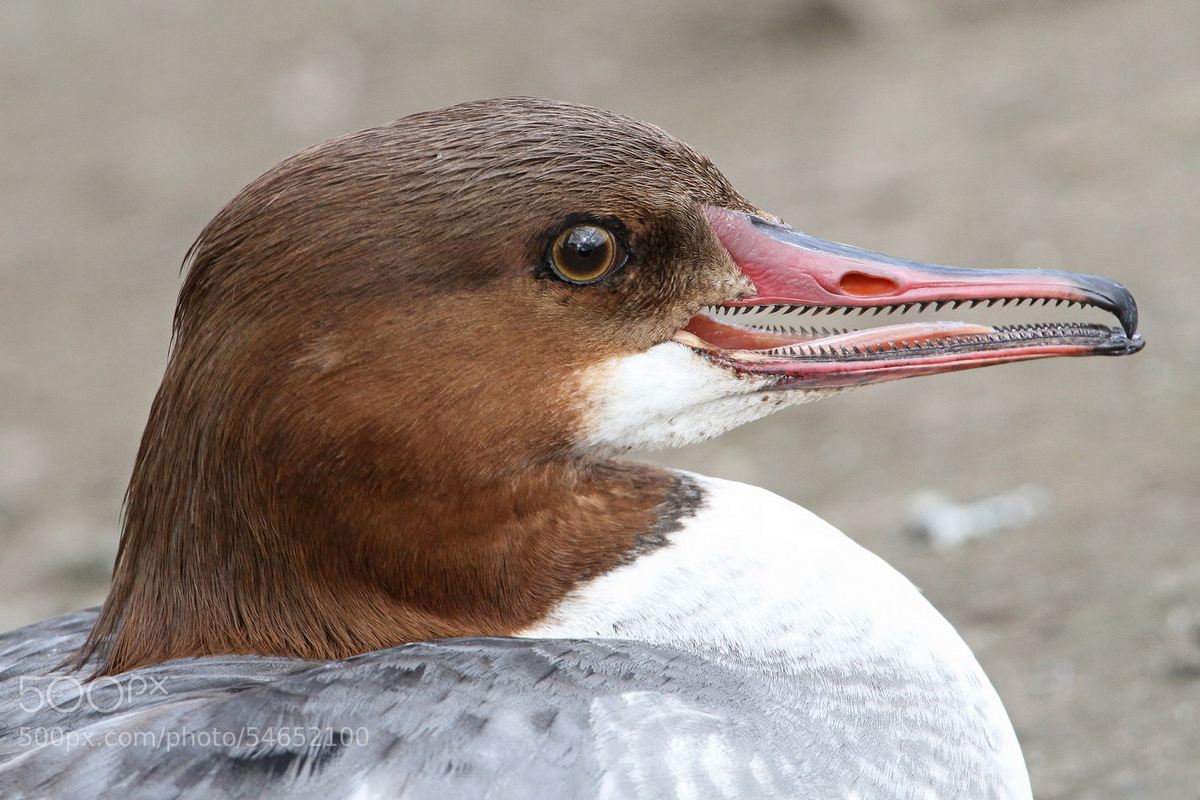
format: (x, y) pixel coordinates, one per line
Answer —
(585, 254)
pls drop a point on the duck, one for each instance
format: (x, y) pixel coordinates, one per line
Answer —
(380, 538)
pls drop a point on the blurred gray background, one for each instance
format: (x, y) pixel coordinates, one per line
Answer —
(991, 133)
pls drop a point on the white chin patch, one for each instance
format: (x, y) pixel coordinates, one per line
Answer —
(670, 396)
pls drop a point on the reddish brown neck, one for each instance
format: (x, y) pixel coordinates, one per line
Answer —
(214, 561)
(315, 489)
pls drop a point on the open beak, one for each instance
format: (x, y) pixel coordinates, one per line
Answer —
(796, 273)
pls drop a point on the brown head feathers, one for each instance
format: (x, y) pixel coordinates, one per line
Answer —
(366, 434)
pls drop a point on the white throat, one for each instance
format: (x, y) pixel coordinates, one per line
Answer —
(669, 396)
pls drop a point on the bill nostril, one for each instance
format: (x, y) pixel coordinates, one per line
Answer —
(862, 285)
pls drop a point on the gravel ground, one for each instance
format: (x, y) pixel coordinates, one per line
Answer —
(1034, 133)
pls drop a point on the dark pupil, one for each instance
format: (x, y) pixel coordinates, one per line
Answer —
(585, 248)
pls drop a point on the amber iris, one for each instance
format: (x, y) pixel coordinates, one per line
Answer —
(585, 254)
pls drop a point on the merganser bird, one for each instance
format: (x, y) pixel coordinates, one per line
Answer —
(378, 542)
